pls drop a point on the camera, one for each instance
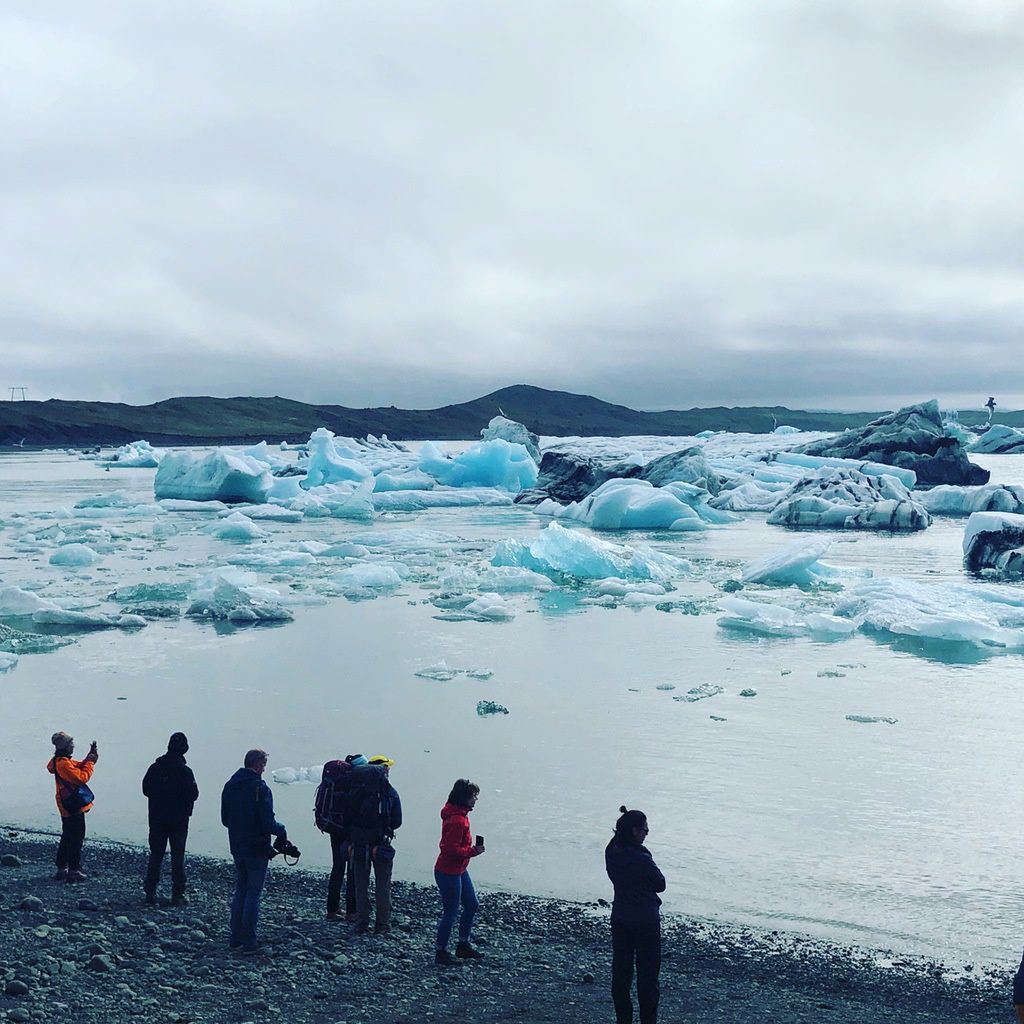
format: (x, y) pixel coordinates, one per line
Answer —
(288, 850)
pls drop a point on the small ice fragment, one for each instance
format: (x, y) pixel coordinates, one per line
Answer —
(717, 718)
(786, 672)
(748, 693)
(490, 707)
(74, 555)
(701, 692)
(871, 719)
(479, 673)
(490, 607)
(440, 672)
(665, 686)
(831, 673)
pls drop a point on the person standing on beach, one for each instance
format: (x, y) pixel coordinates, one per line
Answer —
(375, 815)
(636, 918)
(451, 874)
(74, 800)
(330, 816)
(1018, 992)
(171, 789)
(247, 812)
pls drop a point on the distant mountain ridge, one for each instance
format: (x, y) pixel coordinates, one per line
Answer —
(203, 420)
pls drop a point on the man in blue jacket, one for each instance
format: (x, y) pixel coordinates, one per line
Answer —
(247, 812)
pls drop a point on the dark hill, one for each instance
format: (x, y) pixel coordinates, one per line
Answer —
(204, 420)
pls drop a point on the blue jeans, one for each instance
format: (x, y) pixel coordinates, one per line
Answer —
(250, 874)
(455, 889)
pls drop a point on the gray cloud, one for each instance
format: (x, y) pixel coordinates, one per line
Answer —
(665, 204)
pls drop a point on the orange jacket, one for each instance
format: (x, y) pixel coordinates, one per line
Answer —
(69, 774)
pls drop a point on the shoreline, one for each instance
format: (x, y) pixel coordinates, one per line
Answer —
(95, 947)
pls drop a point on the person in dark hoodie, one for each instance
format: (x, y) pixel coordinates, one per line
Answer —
(171, 789)
(247, 812)
(636, 918)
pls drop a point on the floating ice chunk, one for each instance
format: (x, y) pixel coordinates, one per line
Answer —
(134, 455)
(372, 575)
(326, 466)
(492, 607)
(785, 428)
(948, 500)
(188, 505)
(285, 488)
(271, 513)
(236, 527)
(216, 598)
(86, 620)
(116, 500)
(777, 620)
(262, 559)
(572, 553)
(303, 776)
(749, 497)
(220, 475)
(439, 672)
(1000, 439)
(841, 499)
(338, 501)
(496, 463)
(74, 555)
(405, 540)
(509, 579)
(994, 542)
(459, 579)
(621, 588)
(439, 497)
(342, 551)
(907, 477)
(490, 707)
(479, 673)
(637, 600)
(701, 692)
(7, 661)
(872, 719)
(796, 564)
(516, 433)
(15, 601)
(414, 480)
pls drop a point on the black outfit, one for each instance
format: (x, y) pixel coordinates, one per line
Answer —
(340, 849)
(72, 836)
(172, 791)
(636, 929)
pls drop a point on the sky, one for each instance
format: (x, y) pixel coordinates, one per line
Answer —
(664, 204)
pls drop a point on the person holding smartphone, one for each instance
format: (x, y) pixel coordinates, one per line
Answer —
(74, 800)
(452, 877)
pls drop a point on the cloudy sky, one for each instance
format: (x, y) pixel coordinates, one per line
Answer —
(665, 204)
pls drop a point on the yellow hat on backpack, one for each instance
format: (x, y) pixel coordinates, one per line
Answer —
(380, 759)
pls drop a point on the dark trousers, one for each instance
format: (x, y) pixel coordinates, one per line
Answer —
(72, 836)
(159, 837)
(640, 943)
(250, 874)
(340, 850)
(363, 862)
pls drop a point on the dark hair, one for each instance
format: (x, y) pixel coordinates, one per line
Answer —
(462, 792)
(177, 744)
(628, 820)
(255, 757)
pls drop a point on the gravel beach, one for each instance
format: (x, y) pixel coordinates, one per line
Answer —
(93, 952)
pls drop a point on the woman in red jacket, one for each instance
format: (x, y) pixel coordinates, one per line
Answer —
(453, 881)
(74, 799)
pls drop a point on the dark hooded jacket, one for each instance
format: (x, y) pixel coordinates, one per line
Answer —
(172, 791)
(247, 812)
(637, 882)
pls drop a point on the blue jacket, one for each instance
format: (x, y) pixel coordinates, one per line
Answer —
(247, 812)
(637, 882)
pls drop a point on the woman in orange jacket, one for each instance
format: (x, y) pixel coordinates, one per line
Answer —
(74, 799)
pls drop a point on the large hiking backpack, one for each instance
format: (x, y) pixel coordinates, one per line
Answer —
(368, 805)
(329, 804)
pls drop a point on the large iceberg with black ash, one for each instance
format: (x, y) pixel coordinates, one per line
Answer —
(1000, 439)
(994, 543)
(947, 500)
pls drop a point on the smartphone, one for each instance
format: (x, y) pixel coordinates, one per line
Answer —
(479, 840)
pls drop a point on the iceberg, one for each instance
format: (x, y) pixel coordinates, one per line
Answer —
(490, 707)
(778, 620)
(349, 500)
(75, 555)
(994, 543)
(14, 602)
(751, 496)
(371, 575)
(907, 477)
(326, 465)
(188, 505)
(220, 475)
(912, 438)
(290, 776)
(496, 463)
(414, 480)
(688, 466)
(1000, 439)
(236, 527)
(561, 552)
(270, 513)
(490, 607)
(502, 428)
(263, 559)
(224, 595)
(442, 673)
(798, 564)
(842, 499)
(439, 497)
(947, 500)
(134, 455)
(567, 476)
(509, 579)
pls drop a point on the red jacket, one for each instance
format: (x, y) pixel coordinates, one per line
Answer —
(456, 841)
(69, 773)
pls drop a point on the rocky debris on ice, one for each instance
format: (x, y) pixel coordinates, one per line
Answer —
(994, 543)
(1000, 439)
(947, 500)
(231, 595)
(841, 499)
(220, 475)
(561, 552)
(515, 433)
(496, 463)
(134, 455)
(798, 564)
(633, 504)
(74, 556)
(490, 707)
(779, 620)
(914, 438)
(567, 476)
(236, 526)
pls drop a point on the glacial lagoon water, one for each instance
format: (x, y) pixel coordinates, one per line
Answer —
(783, 814)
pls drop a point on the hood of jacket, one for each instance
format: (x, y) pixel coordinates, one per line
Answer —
(453, 811)
(176, 759)
(244, 779)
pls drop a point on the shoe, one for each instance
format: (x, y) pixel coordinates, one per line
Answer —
(179, 901)
(334, 915)
(61, 876)
(444, 959)
(250, 950)
(77, 876)
(362, 929)
(464, 951)
(382, 929)
(150, 899)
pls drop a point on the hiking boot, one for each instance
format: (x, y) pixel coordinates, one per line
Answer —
(150, 899)
(179, 901)
(381, 929)
(464, 951)
(335, 915)
(444, 959)
(362, 928)
(250, 950)
(77, 876)
(61, 876)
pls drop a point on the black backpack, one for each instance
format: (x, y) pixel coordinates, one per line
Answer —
(330, 802)
(368, 804)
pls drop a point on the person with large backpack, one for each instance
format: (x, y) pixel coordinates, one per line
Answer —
(329, 815)
(170, 786)
(74, 800)
(374, 812)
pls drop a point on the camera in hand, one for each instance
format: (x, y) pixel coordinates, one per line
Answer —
(287, 849)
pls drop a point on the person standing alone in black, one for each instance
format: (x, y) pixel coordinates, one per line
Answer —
(172, 791)
(636, 918)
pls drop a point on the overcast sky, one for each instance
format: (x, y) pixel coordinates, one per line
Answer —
(665, 204)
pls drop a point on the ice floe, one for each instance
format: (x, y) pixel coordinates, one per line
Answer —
(220, 475)
(134, 455)
(236, 526)
(490, 707)
(442, 673)
(797, 563)
(779, 620)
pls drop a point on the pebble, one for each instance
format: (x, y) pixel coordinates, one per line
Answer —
(101, 964)
(31, 903)
(11, 860)
(16, 988)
